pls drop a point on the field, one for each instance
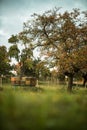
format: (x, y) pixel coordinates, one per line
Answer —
(46, 107)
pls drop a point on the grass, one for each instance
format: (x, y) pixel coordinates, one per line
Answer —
(42, 108)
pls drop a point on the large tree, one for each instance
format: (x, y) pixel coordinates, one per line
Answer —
(62, 38)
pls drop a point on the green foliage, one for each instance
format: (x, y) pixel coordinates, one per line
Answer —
(14, 52)
(13, 39)
(4, 61)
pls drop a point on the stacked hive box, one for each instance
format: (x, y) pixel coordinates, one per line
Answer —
(23, 81)
(13, 80)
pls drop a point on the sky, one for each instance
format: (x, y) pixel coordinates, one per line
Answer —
(13, 13)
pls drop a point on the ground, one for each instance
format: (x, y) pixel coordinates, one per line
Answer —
(44, 107)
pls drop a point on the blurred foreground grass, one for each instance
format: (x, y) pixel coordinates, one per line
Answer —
(43, 108)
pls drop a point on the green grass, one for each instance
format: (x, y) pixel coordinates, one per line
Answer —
(42, 108)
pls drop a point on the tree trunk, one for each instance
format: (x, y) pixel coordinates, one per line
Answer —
(84, 82)
(70, 83)
(84, 79)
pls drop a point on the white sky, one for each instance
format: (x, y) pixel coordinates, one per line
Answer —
(14, 12)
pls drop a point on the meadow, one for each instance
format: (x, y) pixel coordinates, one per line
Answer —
(45, 107)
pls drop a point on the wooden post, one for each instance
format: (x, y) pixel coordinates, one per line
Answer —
(0, 83)
(37, 83)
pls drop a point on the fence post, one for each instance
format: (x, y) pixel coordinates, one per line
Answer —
(0, 83)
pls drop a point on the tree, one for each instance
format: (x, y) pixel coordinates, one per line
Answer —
(83, 52)
(41, 69)
(60, 37)
(83, 64)
(4, 61)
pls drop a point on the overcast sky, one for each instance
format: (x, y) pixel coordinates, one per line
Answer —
(14, 12)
